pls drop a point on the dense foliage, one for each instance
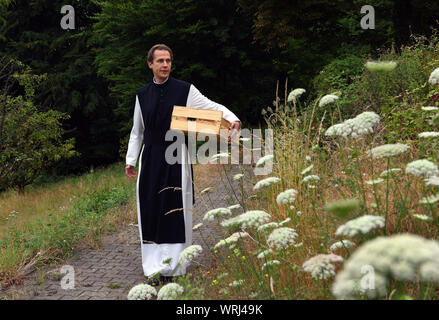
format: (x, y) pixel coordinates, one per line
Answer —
(234, 51)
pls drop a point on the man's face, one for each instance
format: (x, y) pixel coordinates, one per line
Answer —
(161, 65)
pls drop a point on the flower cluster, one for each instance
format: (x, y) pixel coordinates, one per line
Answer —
(231, 241)
(380, 66)
(296, 93)
(238, 176)
(430, 199)
(422, 167)
(281, 238)
(216, 213)
(310, 178)
(170, 291)
(264, 253)
(391, 172)
(252, 218)
(270, 264)
(362, 124)
(360, 225)
(402, 257)
(264, 159)
(432, 181)
(328, 99)
(342, 244)
(307, 170)
(142, 292)
(387, 150)
(321, 266)
(197, 226)
(286, 196)
(188, 254)
(269, 225)
(265, 182)
(236, 283)
(428, 134)
(376, 181)
(219, 155)
(430, 108)
(434, 77)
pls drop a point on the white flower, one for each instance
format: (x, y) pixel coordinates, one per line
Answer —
(376, 181)
(216, 213)
(422, 217)
(264, 159)
(219, 155)
(197, 226)
(387, 150)
(235, 206)
(188, 254)
(236, 283)
(434, 77)
(238, 176)
(264, 253)
(252, 218)
(329, 98)
(270, 263)
(269, 225)
(308, 158)
(360, 225)
(428, 134)
(321, 266)
(281, 238)
(422, 167)
(390, 171)
(285, 221)
(307, 170)
(380, 66)
(430, 108)
(310, 178)
(286, 196)
(265, 182)
(209, 189)
(230, 241)
(341, 245)
(294, 94)
(170, 291)
(432, 181)
(430, 199)
(362, 124)
(142, 292)
(400, 257)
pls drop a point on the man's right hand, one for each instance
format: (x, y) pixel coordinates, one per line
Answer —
(129, 171)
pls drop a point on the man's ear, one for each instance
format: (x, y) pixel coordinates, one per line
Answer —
(150, 65)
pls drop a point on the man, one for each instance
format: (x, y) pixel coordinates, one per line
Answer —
(165, 193)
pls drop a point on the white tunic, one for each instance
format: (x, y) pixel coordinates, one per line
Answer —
(154, 254)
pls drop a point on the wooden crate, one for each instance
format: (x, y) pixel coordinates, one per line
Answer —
(206, 121)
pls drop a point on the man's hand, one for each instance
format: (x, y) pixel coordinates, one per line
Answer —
(129, 171)
(235, 125)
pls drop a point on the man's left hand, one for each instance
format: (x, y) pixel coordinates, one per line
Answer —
(234, 125)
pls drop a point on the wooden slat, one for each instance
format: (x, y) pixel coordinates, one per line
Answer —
(197, 113)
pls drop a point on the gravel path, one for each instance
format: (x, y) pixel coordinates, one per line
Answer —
(108, 273)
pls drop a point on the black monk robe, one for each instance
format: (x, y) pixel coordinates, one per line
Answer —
(160, 195)
(159, 185)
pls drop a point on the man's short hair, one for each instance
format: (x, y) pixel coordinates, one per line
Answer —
(161, 46)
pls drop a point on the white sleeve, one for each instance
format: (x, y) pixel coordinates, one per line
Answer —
(136, 136)
(196, 99)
